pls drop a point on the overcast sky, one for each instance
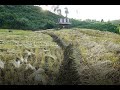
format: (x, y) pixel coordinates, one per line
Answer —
(98, 12)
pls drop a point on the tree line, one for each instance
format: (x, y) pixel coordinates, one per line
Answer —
(30, 17)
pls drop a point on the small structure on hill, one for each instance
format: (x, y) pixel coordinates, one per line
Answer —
(65, 21)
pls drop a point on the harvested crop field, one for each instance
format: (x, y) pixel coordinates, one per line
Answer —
(64, 57)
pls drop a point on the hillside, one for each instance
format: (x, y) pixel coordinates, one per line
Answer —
(29, 17)
(115, 22)
(26, 17)
(59, 57)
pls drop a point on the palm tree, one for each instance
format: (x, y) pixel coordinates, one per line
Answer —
(66, 11)
(55, 8)
(59, 12)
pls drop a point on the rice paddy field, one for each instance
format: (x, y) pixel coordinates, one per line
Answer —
(34, 50)
(35, 58)
(100, 51)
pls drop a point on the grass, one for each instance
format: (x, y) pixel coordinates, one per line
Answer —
(88, 39)
(14, 45)
(99, 50)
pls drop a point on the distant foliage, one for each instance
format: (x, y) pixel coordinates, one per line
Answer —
(26, 17)
(34, 18)
(115, 22)
(92, 24)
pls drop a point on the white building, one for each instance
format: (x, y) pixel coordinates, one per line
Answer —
(63, 22)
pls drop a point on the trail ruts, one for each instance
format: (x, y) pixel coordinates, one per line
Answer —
(58, 40)
(69, 69)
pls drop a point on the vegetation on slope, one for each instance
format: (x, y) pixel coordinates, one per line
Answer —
(26, 17)
(115, 22)
(34, 18)
(96, 25)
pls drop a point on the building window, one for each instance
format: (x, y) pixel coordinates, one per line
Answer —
(62, 20)
(65, 20)
(68, 20)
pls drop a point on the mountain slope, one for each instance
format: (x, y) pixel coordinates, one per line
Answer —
(26, 17)
(34, 18)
